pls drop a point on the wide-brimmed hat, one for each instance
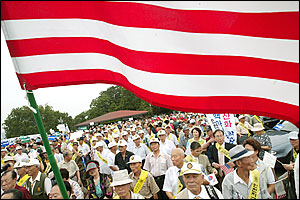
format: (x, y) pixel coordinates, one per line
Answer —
(19, 165)
(294, 135)
(191, 168)
(33, 162)
(135, 159)
(121, 177)
(238, 152)
(257, 127)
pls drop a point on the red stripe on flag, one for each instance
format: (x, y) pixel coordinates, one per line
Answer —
(235, 105)
(281, 25)
(168, 63)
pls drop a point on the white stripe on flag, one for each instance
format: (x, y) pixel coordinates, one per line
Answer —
(169, 84)
(156, 40)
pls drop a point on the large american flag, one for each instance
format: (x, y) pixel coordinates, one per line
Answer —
(199, 56)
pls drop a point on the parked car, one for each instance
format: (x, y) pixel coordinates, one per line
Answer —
(281, 145)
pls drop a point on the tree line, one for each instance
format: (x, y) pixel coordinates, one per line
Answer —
(21, 121)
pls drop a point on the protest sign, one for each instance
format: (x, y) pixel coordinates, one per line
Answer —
(269, 159)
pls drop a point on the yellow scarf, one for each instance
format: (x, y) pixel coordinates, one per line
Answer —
(139, 184)
(242, 125)
(47, 168)
(104, 160)
(294, 154)
(2, 161)
(74, 156)
(189, 158)
(23, 179)
(223, 151)
(254, 191)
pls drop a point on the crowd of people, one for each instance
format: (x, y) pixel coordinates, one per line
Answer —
(163, 157)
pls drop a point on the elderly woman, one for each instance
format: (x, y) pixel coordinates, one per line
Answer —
(252, 144)
(197, 137)
(98, 184)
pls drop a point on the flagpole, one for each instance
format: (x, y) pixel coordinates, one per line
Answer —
(42, 131)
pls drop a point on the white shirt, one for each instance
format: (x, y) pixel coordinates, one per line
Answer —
(173, 139)
(167, 147)
(84, 148)
(171, 180)
(130, 145)
(33, 154)
(19, 157)
(103, 166)
(204, 195)
(111, 162)
(296, 174)
(47, 183)
(59, 157)
(142, 150)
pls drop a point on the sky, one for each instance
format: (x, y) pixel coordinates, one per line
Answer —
(71, 99)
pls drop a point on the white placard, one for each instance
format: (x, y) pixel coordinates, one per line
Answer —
(225, 122)
(269, 160)
(92, 123)
(52, 131)
(61, 127)
(76, 134)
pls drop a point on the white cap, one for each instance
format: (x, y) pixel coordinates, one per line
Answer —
(132, 129)
(191, 168)
(155, 123)
(94, 139)
(4, 150)
(111, 144)
(161, 132)
(241, 116)
(293, 135)
(169, 126)
(136, 137)
(8, 158)
(141, 131)
(124, 133)
(115, 135)
(19, 147)
(98, 134)
(98, 144)
(105, 131)
(135, 159)
(192, 121)
(19, 165)
(154, 140)
(122, 143)
(33, 162)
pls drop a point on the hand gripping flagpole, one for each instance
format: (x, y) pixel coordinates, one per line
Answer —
(34, 108)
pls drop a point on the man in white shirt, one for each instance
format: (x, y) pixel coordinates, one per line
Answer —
(84, 148)
(111, 157)
(33, 170)
(171, 136)
(33, 154)
(140, 148)
(130, 143)
(20, 155)
(166, 146)
(172, 184)
(101, 156)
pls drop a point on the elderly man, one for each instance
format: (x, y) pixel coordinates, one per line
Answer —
(55, 192)
(143, 182)
(184, 138)
(140, 148)
(71, 166)
(121, 182)
(263, 139)
(243, 183)
(3, 155)
(101, 155)
(77, 157)
(122, 158)
(157, 163)
(130, 143)
(9, 181)
(168, 129)
(173, 182)
(21, 170)
(242, 129)
(193, 179)
(38, 185)
(144, 139)
(20, 155)
(166, 146)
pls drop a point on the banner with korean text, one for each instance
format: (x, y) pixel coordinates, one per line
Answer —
(226, 123)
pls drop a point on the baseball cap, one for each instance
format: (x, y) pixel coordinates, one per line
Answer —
(294, 135)
(161, 132)
(154, 140)
(112, 144)
(191, 168)
(19, 147)
(124, 133)
(122, 143)
(33, 162)
(136, 137)
(98, 144)
(19, 165)
(135, 159)
(241, 116)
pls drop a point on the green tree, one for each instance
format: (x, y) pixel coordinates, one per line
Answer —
(21, 121)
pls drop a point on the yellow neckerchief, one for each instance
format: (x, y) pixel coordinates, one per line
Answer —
(2, 161)
(139, 184)
(91, 142)
(47, 168)
(23, 179)
(11, 153)
(189, 158)
(223, 151)
(98, 154)
(294, 154)
(180, 186)
(254, 191)
(39, 158)
(169, 136)
(242, 125)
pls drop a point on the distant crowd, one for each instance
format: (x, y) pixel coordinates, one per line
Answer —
(162, 157)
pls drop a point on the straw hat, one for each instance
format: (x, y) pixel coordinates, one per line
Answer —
(121, 177)
(257, 127)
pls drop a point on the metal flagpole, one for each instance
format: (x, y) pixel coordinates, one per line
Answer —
(33, 106)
